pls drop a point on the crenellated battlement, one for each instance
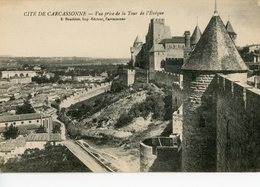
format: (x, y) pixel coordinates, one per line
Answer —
(167, 78)
(237, 90)
(167, 73)
(158, 20)
(237, 109)
(85, 94)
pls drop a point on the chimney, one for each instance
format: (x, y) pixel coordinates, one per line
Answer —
(187, 39)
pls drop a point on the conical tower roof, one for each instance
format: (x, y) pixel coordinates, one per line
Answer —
(230, 28)
(195, 35)
(138, 40)
(215, 50)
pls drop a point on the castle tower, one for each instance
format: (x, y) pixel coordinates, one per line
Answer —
(157, 31)
(195, 36)
(214, 53)
(187, 39)
(138, 42)
(137, 46)
(156, 57)
(231, 32)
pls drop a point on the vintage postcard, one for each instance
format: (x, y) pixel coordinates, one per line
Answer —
(129, 86)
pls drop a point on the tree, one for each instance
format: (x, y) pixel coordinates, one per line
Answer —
(11, 132)
(123, 120)
(56, 129)
(26, 108)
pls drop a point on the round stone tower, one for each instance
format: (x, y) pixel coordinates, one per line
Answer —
(214, 53)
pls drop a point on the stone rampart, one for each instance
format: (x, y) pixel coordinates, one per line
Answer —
(166, 78)
(84, 95)
(238, 126)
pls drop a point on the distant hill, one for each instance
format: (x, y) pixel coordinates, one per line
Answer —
(60, 61)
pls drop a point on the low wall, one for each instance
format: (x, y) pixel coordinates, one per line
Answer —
(159, 154)
(84, 95)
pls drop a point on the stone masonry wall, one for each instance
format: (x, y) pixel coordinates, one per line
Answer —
(199, 127)
(141, 75)
(147, 157)
(166, 78)
(81, 96)
(238, 126)
(128, 76)
(159, 154)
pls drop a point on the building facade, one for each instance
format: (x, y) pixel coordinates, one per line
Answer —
(9, 74)
(160, 47)
(24, 120)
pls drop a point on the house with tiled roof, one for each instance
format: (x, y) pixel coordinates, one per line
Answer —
(14, 147)
(27, 121)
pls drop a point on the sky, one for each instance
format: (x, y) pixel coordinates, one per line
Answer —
(45, 36)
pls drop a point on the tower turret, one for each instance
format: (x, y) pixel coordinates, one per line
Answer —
(187, 39)
(195, 36)
(214, 53)
(138, 42)
(135, 50)
(231, 32)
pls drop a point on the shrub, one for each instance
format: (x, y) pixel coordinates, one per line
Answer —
(26, 108)
(123, 120)
(11, 132)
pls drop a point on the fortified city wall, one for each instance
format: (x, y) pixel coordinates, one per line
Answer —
(238, 126)
(86, 94)
(166, 78)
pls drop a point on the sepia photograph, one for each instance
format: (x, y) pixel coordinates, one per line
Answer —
(129, 86)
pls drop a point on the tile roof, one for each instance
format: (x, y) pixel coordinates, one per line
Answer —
(195, 35)
(21, 117)
(39, 137)
(175, 39)
(230, 28)
(157, 48)
(215, 51)
(11, 144)
(138, 40)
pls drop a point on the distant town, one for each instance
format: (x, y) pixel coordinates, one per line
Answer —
(180, 103)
